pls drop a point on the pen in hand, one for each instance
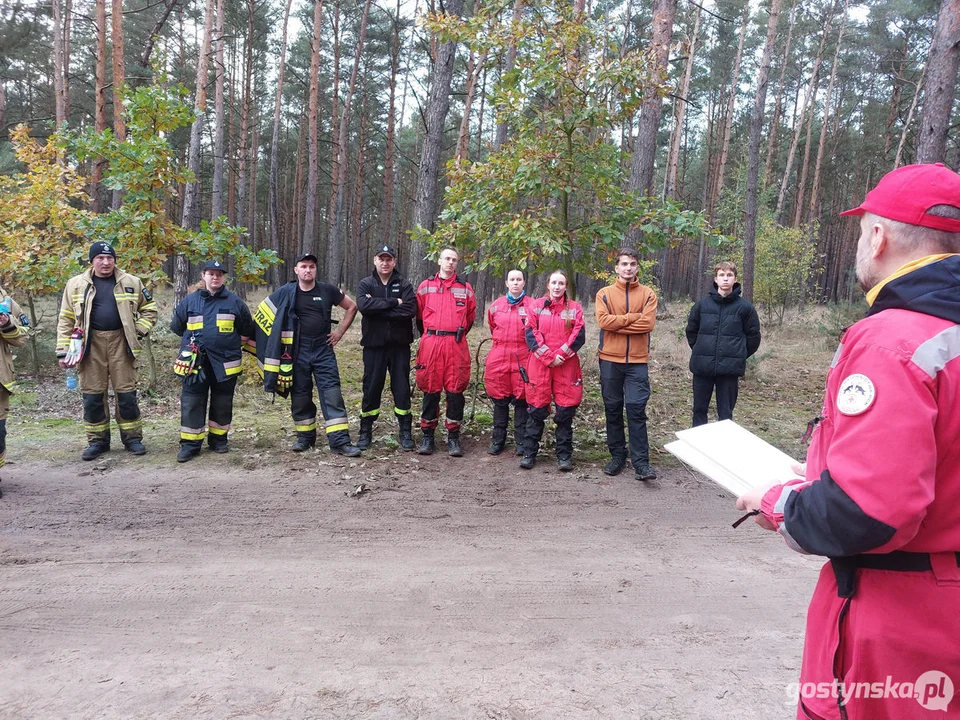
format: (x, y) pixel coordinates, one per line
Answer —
(750, 514)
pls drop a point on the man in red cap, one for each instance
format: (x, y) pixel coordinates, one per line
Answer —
(880, 495)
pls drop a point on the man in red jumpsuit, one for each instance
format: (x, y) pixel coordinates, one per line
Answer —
(881, 492)
(506, 364)
(446, 308)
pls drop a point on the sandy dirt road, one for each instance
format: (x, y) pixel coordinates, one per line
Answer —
(254, 586)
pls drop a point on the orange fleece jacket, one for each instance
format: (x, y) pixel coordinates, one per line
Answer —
(626, 315)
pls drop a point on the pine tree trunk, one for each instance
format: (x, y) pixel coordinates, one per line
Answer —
(814, 209)
(308, 241)
(909, 121)
(100, 99)
(334, 124)
(386, 214)
(728, 115)
(942, 66)
(753, 154)
(805, 166)
(61, 85)
(231, 140)
(219, 111)
(244, 140)
(275, 139)
(474, 68)
(798, 126)
(896, 96)
(438, 104)
(508, 65)
(119, 74)
(772, 143)
(360, 252)
(673, 164)
(335, 242)
(191, 195)
(651, 109)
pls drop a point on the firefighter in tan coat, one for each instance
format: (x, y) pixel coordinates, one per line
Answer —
(105, 312)
(11, 335)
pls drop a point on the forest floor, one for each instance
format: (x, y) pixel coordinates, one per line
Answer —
(267, 584)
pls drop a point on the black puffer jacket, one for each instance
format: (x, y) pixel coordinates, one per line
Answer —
(723, 332)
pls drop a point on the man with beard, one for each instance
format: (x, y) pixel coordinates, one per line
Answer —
(880, 493)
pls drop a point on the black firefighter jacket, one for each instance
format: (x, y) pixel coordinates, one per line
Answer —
(217, 321)
(384, 322)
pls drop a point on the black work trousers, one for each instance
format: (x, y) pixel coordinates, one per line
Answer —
(727, 387)
(377, 362)
(430, 413)
(626, 386)
(316, 362)
(194, 397)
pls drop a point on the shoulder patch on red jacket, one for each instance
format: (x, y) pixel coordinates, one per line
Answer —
(856, 394)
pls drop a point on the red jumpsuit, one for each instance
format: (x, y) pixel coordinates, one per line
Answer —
(501, 372)
(554, 328)
(444, 307)
(881, 498)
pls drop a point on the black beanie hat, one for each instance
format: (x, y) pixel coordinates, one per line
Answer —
(102, 248)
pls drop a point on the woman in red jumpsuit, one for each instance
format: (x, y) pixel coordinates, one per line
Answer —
(554, 334)
(507, 361)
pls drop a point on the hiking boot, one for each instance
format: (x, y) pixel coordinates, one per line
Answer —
(187, 454)
(135, 447)
(615, 466)
(428, 444)
(302, 445)
(365, 438)
(498, 440)
(565, 464)
(347, 450)
(405, 435)
(454, 449)
(645, 472)
(528, 462)
(94, 450)
(221, 449)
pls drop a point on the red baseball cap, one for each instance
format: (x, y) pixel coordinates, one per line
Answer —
(907, 193)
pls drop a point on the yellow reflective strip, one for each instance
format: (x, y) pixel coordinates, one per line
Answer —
(398, 411)
(132, 425)
(269, 367)
(68, 313)
(219, 431)
(149, 306)
(232, 370)
(264, 316)
(335, 428)
(305, 428)
(371, 413)
(191, 436)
